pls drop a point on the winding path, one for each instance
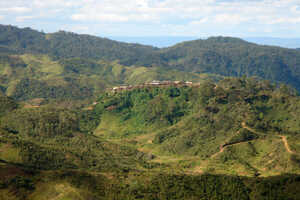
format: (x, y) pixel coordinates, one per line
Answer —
(283, 138)
(286, 144)
(222, 147)
(244, 125)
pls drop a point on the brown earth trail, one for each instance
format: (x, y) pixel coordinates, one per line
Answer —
(286, 145)
(283, 138)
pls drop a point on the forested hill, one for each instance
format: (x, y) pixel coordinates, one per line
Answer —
(235, 57)
(217, 55)
(66, 44)
(228, 57)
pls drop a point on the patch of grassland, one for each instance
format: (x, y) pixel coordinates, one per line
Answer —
(43, 64)
(9, 153)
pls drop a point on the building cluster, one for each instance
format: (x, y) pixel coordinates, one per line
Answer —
(154, 83)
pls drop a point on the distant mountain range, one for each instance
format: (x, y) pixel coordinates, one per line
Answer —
(75, 66)
(167, 41)
(156, 41)
(282, 42)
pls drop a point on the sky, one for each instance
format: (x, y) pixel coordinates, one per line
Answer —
(198, 18)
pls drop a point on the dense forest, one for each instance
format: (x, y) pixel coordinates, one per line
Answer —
(67, 45)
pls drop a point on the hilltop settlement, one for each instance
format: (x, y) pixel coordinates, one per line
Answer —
(154, 83)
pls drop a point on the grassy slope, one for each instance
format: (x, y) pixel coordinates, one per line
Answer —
(29, 76)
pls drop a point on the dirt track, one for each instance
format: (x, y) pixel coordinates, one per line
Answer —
(286, 144)
(283, 138)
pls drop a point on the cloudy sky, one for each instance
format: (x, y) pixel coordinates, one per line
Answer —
(201, 18)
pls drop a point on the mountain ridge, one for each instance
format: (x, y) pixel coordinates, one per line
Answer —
(225, 56)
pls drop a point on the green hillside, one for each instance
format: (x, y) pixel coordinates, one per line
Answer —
(237, 139)
(29, 76)
(235, 57)
(216, 55)
(6, 104)
(65, 134)
(67, 45)
(237, 126)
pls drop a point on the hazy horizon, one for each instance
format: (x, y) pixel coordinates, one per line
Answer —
(166, 41)
(259, 18)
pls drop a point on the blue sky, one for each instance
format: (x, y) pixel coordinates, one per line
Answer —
(200, 18)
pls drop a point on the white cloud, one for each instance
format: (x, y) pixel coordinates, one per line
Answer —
(101, 17)
(17, 9)
(23, 18)
(230, 19)
(283, 20)
(199, 22)
(56, 3)
(188, 15)
(79, 17)
(1, 17)
(228, 12)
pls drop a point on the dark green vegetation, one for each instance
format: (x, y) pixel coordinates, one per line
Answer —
(77, 185)
(6, 104)
(225, 138)
(217, 55)
(67, 45)
(235, 57)
(212, 141)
